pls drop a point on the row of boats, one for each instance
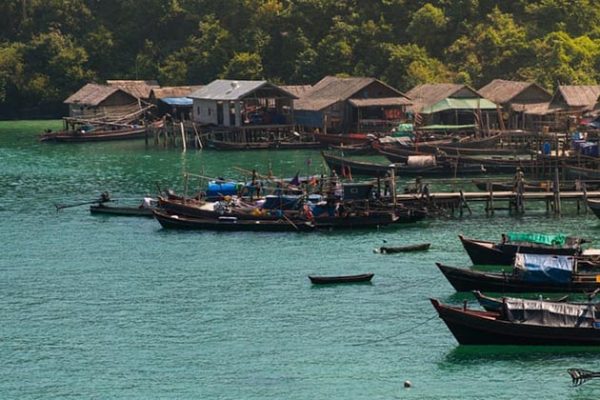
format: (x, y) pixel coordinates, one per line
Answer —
(540, 264)
(453, 156)
(356, 206)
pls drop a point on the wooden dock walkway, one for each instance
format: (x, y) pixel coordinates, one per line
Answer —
(516, 201)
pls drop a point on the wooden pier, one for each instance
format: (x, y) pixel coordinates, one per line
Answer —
(515, 201)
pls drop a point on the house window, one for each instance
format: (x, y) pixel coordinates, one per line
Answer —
(209, 111)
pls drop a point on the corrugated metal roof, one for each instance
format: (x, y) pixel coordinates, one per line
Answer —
(384, 101)
(459, 104)
(579, 95)
(333, 89)
(502, 91)
(223, 89)
(428, 94)
(92, 94)
(138, 89)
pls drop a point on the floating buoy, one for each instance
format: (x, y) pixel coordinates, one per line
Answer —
(407, 384)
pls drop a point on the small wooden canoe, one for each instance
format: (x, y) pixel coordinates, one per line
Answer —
(122, 211)
(403, 249)
(321, 280)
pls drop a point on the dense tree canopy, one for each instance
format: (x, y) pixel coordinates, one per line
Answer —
(50, 48)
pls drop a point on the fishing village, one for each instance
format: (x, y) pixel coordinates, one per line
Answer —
(300, 200)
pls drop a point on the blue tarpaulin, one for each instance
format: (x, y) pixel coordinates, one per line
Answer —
(178, 101)
(545, 268)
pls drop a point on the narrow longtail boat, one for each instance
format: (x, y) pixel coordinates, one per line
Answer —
(324, 280)
(523, 322)
(403, 249)
(104, 209)
(346, 166)
(503, 253)
(172, 221)
(327, 139)
(532, 273)
(95, 135)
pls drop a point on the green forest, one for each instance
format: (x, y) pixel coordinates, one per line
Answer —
(50, 48)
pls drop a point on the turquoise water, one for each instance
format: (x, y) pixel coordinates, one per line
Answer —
(112, 307)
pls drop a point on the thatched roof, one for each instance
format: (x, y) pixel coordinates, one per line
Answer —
(173, 91)
(138, 89)
(501, 91)
(428, 94)
(332, 89)
(93, 94)
(297, 90)
(577, 96)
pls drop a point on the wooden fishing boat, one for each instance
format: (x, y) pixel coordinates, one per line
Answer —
(221, 145)
(464, 280)
(173, 221)
(594, 205)
(95, 135)
(495, 304)
(574, 172)
(104, 209)
(355, 149)
(503, 253)
(403, 249)
(327, 139)
(371, 219)
(296, 145)
(345, 166)
(324, 280)
(522, 324)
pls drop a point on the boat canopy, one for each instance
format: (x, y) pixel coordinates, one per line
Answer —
(544, 267)
(539, 238)
(548, 313)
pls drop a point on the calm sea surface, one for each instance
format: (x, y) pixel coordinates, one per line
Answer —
(113, 307)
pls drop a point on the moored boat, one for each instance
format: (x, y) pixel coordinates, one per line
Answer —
(95, 135)
(403, 249)
(503, 253)
(535, 274)
(173, 221)
(360, 278)
(104, 209)
(594, 205)
(523, 323)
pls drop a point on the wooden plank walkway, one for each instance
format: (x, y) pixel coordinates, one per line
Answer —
(500, 195)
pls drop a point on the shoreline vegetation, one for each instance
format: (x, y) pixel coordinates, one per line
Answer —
(50, 49)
